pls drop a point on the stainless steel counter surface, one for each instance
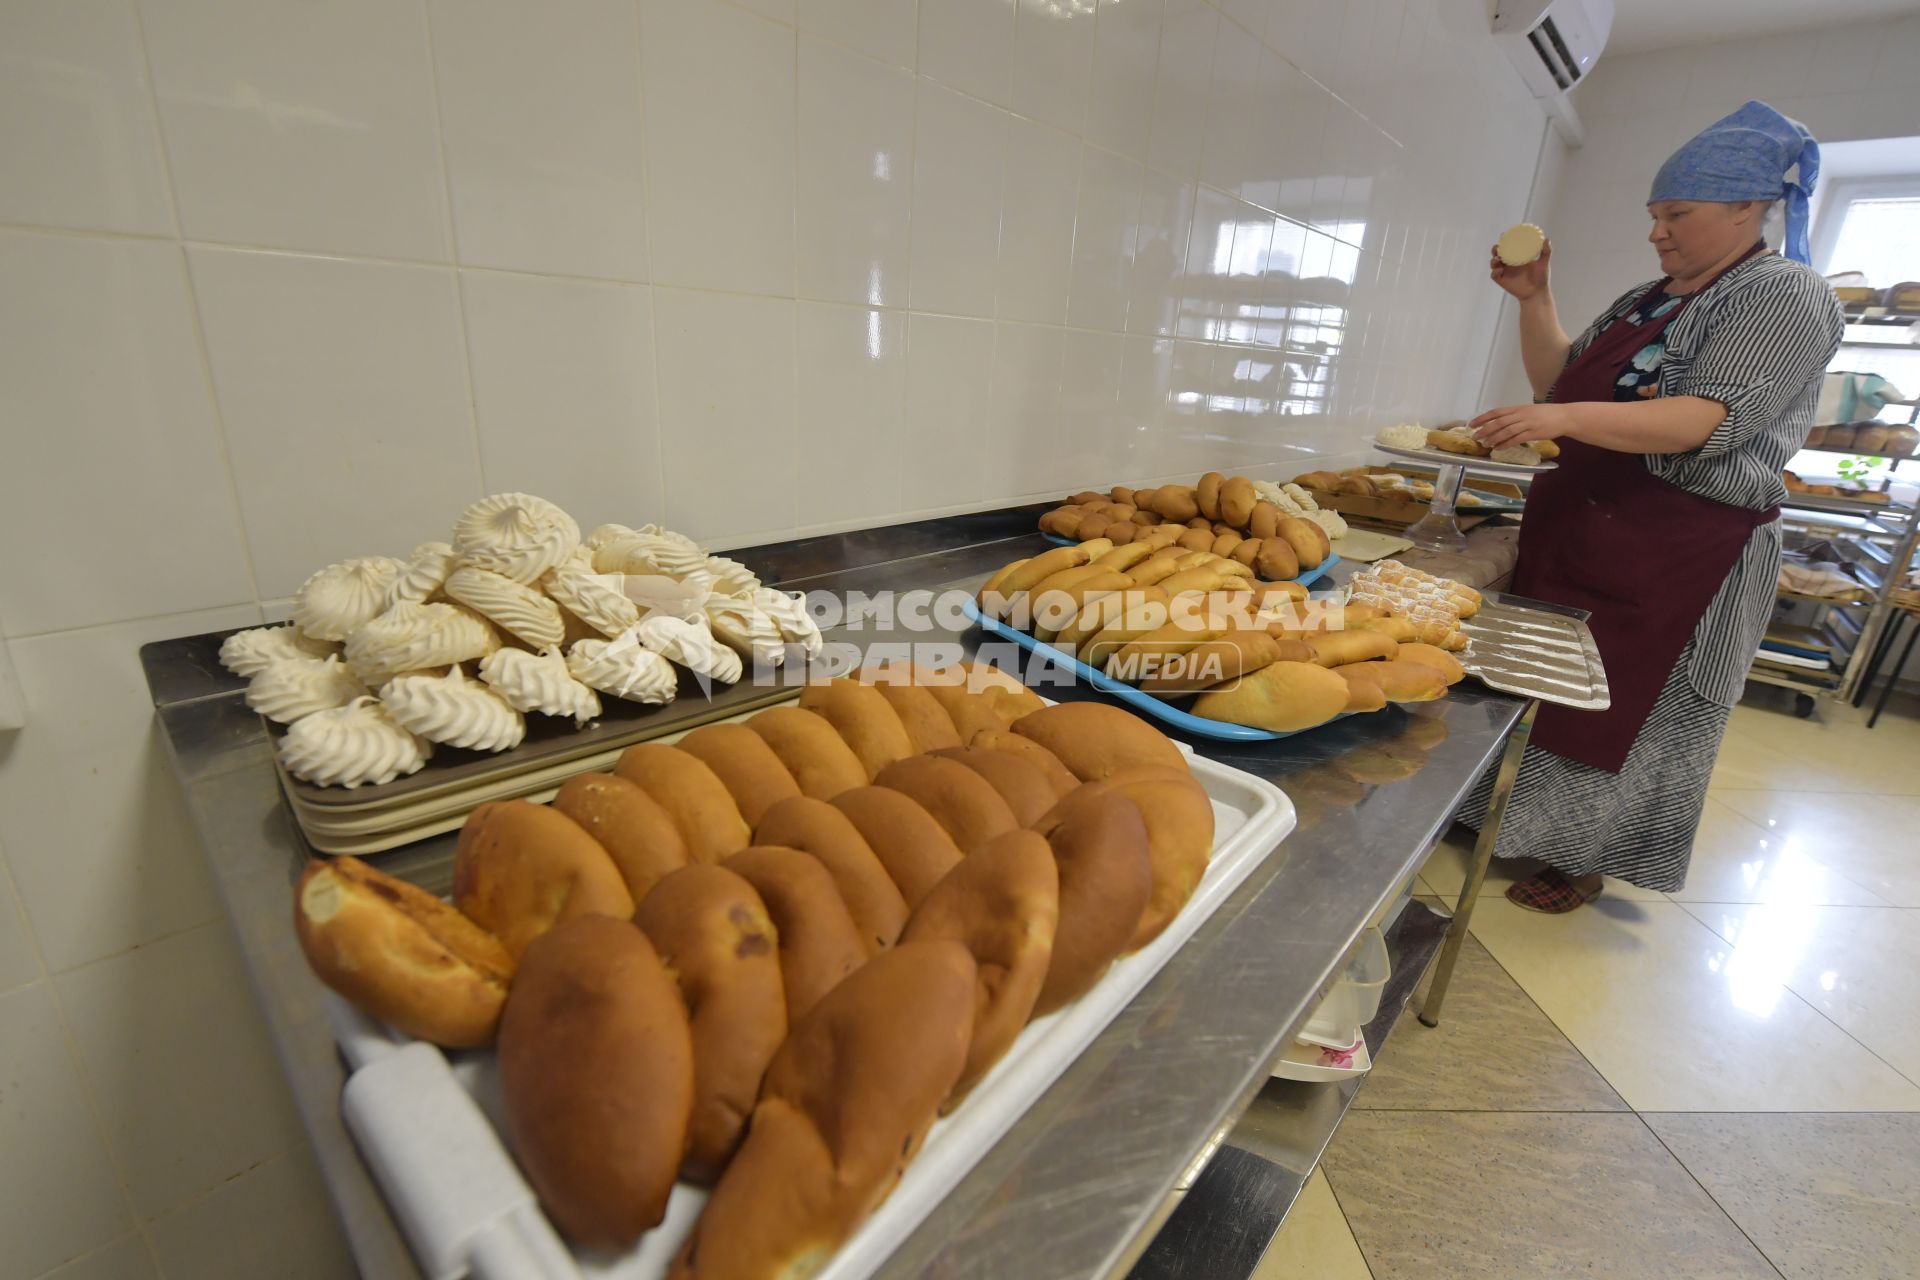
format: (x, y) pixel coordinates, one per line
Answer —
(1079, 1185)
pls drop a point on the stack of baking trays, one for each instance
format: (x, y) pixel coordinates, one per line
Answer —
(370, 819)
(1529, 651)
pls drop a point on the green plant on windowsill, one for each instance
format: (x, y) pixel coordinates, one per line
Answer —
(1860, 470)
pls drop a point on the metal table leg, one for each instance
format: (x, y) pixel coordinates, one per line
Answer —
(1893, 677)
(1477, 872)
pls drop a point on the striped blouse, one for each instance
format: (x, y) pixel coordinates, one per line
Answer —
(1756, 340)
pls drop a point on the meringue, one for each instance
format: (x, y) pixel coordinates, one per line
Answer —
(514, 534)
(454, 710)
(623, 668)
(351, 746)
(789, 613)
(745, 628)
(410, 637)
(656, 593)
(426, 572)
(652, 551)
(689, 643)
(589, 596)
(295, 687)
(248, 653)
(340, 597)
(539, 682)
(730, 577)
(604, 535)
(519, 610)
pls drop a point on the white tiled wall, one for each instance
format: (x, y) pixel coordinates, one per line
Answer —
(282, 282)
(1845, 83)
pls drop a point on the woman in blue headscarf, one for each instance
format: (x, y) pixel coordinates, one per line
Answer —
(1675, 413)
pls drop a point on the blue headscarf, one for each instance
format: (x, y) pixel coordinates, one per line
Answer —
(1747, 156)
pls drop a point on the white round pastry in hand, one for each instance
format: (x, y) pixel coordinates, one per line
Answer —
(295, 687)
(539, 682)
(454, 711)
(340, 597)
(744, 627)
(413, 637)
(624, 668)
(351, 746)
(789, 613)
(515, 535)
(518, 610)
(426, 572)
(690, 643)
(1521, 244)
(730, 577)
(595, 599)
(248, 653)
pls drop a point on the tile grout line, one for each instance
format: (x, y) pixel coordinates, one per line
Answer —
(1326, 1175)
(1711, 1198)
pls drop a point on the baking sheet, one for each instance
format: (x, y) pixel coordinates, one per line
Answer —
(430, 1128)
(1440, 458)
(1535, 654)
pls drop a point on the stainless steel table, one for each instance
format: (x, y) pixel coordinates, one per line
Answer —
(1082, 1183)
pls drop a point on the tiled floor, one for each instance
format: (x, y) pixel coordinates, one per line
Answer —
(1722, 1081)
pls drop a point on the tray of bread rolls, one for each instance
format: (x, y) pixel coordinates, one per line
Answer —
(1306, 577)
(1455, 446)
(753, 1004)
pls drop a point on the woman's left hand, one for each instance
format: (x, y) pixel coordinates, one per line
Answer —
(1522, 424)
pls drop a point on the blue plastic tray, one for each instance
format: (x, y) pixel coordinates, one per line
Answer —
(1144, 702)
(1305, 579)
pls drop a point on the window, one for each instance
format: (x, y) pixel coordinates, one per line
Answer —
(1879, 238)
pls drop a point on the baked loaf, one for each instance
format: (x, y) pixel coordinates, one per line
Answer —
(1095, 740)
(596, 1072)
(636, 833)
(745, 765)
(821, 764)
(1100, 850)
(928, 726)
(693, 796)
(714, 935)
(864, 720)
(818, 828)
(819, 943)
(846, 1104)
(914, 848)
(1059, 778)
(960, 800)
(1179, 819)
(521, 868)
(1021, 783)
(1001, 903)
(1283, 697)
(400, 954)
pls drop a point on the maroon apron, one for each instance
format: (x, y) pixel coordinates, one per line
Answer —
(1644, 556)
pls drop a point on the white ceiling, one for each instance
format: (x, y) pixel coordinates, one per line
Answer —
(1658, 24)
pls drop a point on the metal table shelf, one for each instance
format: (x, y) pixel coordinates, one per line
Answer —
(1161, 1086)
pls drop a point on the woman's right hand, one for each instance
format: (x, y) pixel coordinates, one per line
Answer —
(1525, 282)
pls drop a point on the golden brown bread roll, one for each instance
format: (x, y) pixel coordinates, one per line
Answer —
(711, 930)
(1337, 648)
(1277, 560)
(821, 764)
(1247, 551)
(1451, 442)
(1064, 578)
(1027, 790)
(1162, 564)
(928, 726)
(1048, 563)
(819, 943)
(817, 828)
(1237, 501)
(520, 868)
(846, 1105)
(1264, 522)
(1196, 540)
(1399, 630)
(1143, 498)
(1547, 449)
(1237, 653)
(1207, 494)
(1308, 540)
(1087, 497)
(1283, 697)
(1404, 681)
(1431, 656)
(960, 800)
(1104, 612)
(1062, 521)
(637, 834)
(1224, 544)
(915, 849)
(1158, 538)
(970, 711)
(1122, 532)
(1100, 849)
(1121, 493)
(1058, 778)
(1095, 740)
(1160, 648)
(596, 1075)
(1124, 558)
(862, 718)
(1363, 691)
(745, 765)
(1174, 502)
(1206, 577)
(993, 597)
(1141, 618)
(1002, 903)
(693, 796)
(1050, 611)
(400, 954)
(1179, 820)
(1358, 486)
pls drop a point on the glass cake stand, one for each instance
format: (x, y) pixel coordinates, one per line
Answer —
(1439, 529)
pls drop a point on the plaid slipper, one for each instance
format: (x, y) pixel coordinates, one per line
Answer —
(1549, 892)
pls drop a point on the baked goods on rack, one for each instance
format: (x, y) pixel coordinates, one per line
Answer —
(547, 621)
(1229, 517)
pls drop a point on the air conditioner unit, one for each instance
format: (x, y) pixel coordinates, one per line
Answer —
(1554, 44)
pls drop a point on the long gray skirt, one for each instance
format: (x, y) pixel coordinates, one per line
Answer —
(1637, 824)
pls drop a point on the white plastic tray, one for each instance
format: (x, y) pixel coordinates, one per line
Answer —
(429, 1124)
